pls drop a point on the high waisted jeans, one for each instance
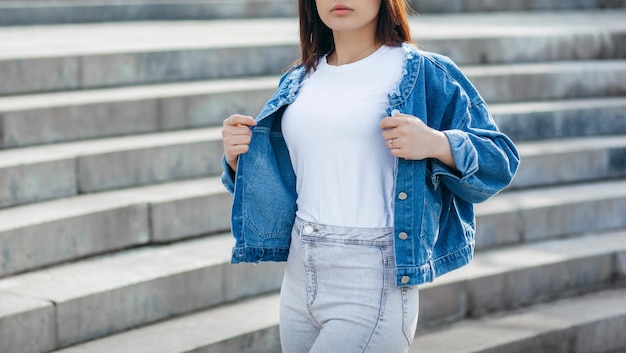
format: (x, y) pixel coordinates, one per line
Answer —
(339, 293)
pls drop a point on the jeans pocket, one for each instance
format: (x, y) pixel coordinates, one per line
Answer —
(410, 311)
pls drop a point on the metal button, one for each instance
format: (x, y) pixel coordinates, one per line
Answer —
(308, 229)
(402, 196)
(403, 236)
(405, 279)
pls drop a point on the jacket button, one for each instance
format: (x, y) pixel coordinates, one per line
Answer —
(308, 229)
(403, 236)
(402, 196)
(405, 279)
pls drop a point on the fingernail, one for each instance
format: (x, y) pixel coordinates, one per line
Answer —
(394, 112)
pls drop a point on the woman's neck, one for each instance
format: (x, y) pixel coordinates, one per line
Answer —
(352, 47)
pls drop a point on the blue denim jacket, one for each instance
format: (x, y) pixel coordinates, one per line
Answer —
(433, 205)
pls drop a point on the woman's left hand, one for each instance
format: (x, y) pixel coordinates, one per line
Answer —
(408, 137)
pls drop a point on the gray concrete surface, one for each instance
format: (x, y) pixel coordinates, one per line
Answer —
(67, 116)
(561, 161)
(63, 170)
(101, 296)
(543, 213)
(13, 12)
(36, 177)
(503, 279)
(242, 327)
(71, 11)
(27, 325)
(593, 323)
(546, 81)
(561, 118)
(68, 229)
(100, 55)
(489, 5)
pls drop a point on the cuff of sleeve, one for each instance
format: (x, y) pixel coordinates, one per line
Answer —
(228, 176)
(464, 153)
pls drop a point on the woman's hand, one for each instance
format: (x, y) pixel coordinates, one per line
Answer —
(236, 136)
(408, 137)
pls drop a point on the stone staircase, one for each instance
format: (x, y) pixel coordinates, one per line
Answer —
(37, 12)
(114, 224)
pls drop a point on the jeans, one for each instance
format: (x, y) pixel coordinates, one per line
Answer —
(339, 293)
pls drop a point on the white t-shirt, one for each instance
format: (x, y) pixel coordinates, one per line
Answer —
(344, 170)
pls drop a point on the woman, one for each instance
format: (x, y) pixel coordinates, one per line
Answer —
(361, 172)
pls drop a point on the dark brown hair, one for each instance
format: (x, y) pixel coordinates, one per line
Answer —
(316, 39)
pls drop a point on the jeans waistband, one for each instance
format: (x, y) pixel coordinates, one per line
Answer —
(378, 236)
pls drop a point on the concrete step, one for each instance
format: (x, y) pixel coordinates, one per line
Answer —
(101, 296)
(512, 277)
(20, 12)
(46, 172)
(549, 81)
(591, 323)
(516, 277)
(35, 316)
(542, 213)
(106, 55)
(246, 327)
(67, 116)
(52, 232)
(570, 160)
(540, 328)
(435, 6)
(37, 12)
(564, 118)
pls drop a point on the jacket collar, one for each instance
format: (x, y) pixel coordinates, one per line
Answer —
(410, 72)
(290, 84)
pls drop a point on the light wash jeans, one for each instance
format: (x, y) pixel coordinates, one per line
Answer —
(339, 293)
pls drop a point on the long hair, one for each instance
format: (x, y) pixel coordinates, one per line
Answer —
(316, 39)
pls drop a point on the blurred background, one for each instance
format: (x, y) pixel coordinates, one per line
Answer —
(114, 225)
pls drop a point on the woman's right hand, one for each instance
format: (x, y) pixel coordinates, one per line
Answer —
(236, 136)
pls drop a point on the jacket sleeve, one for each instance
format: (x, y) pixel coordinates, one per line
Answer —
(485, 158)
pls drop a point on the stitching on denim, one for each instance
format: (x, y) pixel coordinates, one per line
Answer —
(312, 288)
(411, 57)
(405, 305)
(384, 292)
(475, 102)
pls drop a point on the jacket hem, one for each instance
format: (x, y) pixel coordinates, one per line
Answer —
(453, 260)
(258, 254)
(435, 268)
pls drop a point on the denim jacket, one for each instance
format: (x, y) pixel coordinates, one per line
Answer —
(434, 223)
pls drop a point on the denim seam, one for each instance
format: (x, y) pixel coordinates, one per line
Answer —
(311, 280)
(405, 304)
(472, 103)
(383, 297)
